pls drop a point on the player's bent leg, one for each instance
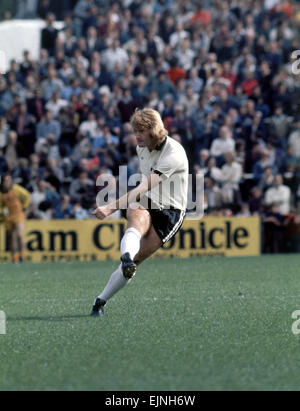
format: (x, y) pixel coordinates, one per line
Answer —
(115, 283)
(139, 219)
(150, 243)
(139, 222)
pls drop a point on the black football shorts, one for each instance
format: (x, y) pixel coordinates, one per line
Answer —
(166, 221)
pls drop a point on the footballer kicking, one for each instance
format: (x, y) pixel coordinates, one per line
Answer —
(156, 208)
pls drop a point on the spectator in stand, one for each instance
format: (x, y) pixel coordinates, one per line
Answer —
(175, 72)
(56, 104)
(48, 126)
(24, 125)
(189, 100)
(213, 195)
(229, 76)
(289, 160)
(43, 8)
(224, 143)
(249, 83)
(114, 54)
(43, 200)
(82, 8)
(71, 89)
(185, 55)
(51, 84)
(126, 105)
(163, 86)
(82, 190)
(245, 211)
(279, 123)
(55, 171)
(203, 158)
(27, 65)
(260, 166)
(179, 35)
(230, 177)
(106, 145)
(195, 81)
(272, 233)
(20, 173)
(267, 179)
(256, 201)
(49, 34)
(63, 210)
(6, 97)
(88, 127)
(11, 153)
(279, 195)
(79, 213)
(36, 105)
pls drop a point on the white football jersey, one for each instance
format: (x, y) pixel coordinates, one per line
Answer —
(169, 160)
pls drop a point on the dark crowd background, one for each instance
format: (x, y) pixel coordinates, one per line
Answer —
(221, 74)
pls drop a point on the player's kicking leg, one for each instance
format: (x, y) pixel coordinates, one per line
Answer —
(139, 242)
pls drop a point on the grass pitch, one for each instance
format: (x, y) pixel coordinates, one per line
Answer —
(200, 324)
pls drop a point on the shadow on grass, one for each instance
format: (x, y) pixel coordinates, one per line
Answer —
(48, 318)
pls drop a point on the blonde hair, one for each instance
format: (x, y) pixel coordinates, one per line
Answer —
(149, 119)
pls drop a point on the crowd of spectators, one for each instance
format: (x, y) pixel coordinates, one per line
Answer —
(221, 73)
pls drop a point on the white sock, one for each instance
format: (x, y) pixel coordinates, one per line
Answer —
(115, 283)
(131, 242)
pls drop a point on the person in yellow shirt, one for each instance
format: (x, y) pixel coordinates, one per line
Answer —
(14, 201)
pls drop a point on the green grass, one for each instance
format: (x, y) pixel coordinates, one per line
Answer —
(180, 325)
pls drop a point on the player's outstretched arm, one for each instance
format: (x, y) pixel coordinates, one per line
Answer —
(132, 196)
